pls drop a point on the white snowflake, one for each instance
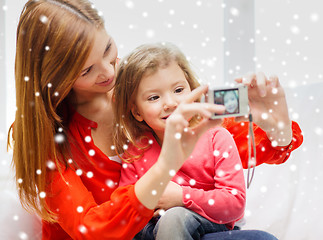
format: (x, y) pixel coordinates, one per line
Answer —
(211, 202)
(43, 19)
(79, 209)
(79, 172)
(82, 229)
(172, 172)
(42, 194)
(314, 17)
(150, 33)
(192, 182)
(129, 4)
(91, 152)
(89, 174)
(87, 139)
(23, 236)
(178, 135)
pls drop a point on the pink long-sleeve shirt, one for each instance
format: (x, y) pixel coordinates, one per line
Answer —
(211, 178)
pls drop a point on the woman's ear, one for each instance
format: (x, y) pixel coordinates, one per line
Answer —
(136, 114)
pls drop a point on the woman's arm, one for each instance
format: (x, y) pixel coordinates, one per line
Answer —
(276, 136)
(81, 217)
(266, 152)
(268, 106)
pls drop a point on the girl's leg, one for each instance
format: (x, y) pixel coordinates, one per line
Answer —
(181, 223)
(240, 235)
(147, 232)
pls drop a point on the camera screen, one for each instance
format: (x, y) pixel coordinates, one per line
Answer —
(229, 98)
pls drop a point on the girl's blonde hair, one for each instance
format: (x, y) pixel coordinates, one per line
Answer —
(143, 61)
(54, 39)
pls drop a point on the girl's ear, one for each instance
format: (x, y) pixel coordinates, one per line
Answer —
(136, 114)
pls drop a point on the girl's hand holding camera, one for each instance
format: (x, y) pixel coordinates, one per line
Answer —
(179, 138)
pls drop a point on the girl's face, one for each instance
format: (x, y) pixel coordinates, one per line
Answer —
(158, 96)
(230, 102)
(98, 73)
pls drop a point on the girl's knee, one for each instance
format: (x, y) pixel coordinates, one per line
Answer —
(176, 214)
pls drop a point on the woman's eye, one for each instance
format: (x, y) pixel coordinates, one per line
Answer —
(153, 98)
(86, 72)
(178, 90)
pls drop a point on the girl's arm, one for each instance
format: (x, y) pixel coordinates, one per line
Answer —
(179, 142)
(219, 197)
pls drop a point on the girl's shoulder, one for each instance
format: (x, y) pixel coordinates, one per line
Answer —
(134, 151)
(218, 130)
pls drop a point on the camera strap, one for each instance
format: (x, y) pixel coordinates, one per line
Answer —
(252, 160)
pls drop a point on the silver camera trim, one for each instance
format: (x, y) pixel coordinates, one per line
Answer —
(242, 97)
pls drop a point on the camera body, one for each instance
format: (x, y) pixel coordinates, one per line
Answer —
(235, 100)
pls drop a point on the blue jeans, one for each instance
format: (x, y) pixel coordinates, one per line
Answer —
(240, 235)
(179, 223)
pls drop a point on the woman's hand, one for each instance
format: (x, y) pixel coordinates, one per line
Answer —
(172, 197)
(179, 138)
(268, 107)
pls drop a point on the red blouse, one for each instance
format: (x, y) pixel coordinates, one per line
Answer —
(266, 153)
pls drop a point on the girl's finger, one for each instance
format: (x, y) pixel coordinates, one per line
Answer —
(206, 110)
(204, 125)
(196, 94)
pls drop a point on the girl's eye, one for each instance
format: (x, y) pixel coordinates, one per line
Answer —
(153, 98)
(87, 71)
(178, 90)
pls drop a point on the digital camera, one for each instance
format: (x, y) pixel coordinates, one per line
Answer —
(235, 100)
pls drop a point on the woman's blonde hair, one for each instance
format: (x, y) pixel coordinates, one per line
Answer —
(54, 39)
(143, 61)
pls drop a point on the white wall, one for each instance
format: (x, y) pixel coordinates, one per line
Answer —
(223, 39)
(289, 39)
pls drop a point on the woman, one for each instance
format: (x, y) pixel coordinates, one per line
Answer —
(62, 134)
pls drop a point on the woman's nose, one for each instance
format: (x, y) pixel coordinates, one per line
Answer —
(107, 70)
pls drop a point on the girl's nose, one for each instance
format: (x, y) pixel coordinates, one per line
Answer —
(170, 103)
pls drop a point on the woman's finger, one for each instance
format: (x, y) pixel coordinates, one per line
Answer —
(273, 81)
(261, 83)
(247, 79)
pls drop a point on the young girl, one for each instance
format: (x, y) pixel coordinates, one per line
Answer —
(151, 83)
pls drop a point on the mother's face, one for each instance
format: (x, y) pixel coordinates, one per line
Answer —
(98, 72)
